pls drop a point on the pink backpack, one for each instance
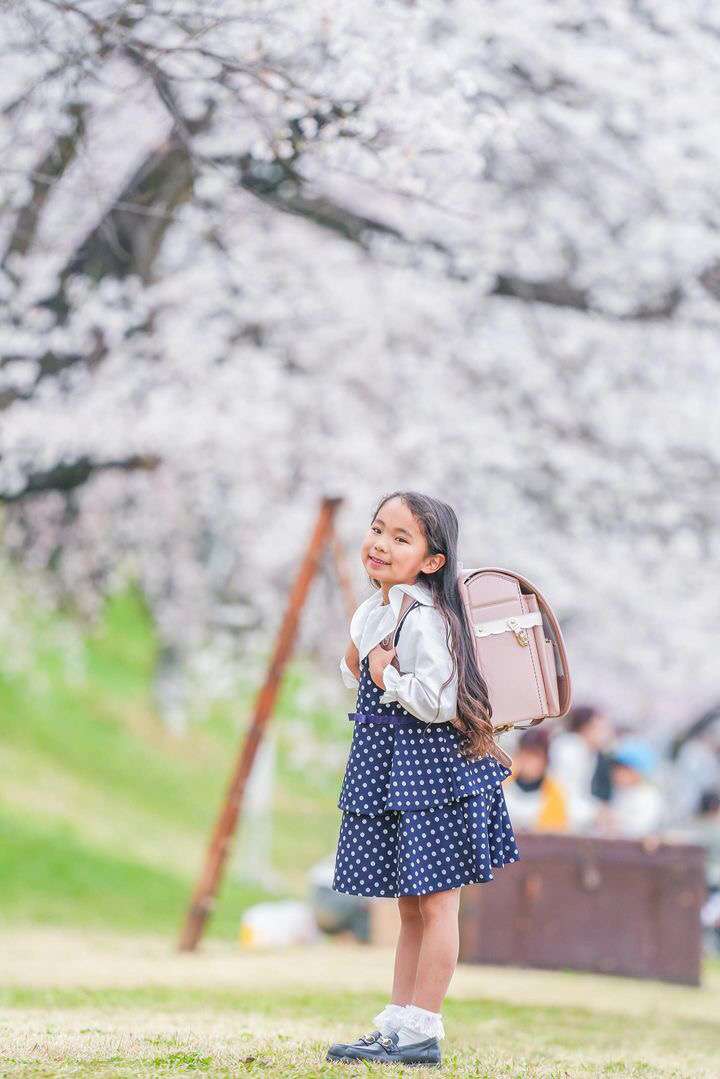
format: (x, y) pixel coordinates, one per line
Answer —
(519, 647)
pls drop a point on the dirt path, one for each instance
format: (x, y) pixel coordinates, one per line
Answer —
(67, 959)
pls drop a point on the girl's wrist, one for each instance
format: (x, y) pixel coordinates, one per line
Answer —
(393, 663)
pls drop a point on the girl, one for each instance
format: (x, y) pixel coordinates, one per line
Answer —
(423, 808)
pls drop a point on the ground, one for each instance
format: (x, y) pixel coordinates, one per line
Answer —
(80, 1004)
(104, 818)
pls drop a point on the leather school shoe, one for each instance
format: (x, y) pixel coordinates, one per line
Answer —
(386, 1050)
(339, 1049)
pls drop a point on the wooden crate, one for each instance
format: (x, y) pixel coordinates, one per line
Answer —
(614, 906)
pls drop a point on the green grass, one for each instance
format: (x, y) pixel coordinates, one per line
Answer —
(286, 1034)
(105, 814)
(49, 876)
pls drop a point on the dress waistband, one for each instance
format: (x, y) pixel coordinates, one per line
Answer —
(397, 721)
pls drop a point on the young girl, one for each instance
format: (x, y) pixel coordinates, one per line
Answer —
(423, 808)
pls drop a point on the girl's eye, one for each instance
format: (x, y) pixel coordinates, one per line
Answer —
(374, 528)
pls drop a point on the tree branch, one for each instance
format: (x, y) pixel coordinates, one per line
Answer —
(68, 475)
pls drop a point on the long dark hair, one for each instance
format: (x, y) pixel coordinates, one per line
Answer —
(439, 525)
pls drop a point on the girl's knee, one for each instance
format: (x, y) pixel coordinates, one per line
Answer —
(409, 907)
(439, 904)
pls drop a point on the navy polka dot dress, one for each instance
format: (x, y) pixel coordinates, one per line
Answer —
(418, 817)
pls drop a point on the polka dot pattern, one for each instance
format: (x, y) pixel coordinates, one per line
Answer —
(426, 850)
(418, 817)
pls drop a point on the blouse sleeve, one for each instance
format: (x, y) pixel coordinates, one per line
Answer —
(431, 662)
(347, 676)
(356, 625)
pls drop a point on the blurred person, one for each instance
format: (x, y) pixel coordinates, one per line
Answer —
(575, 757)
(535, 800)
(695, 757)
(636, 807)
(704, 831)
(601, 784)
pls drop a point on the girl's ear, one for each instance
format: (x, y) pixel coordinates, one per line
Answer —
(434, 563)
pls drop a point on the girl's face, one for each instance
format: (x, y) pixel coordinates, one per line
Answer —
(394, 550)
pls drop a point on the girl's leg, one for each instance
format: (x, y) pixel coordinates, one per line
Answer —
(440, 948)
(408, 949)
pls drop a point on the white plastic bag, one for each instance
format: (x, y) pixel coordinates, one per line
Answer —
(277, 925)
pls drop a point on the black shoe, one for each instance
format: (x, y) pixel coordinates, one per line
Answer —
(387, 1051)
(338, 1051)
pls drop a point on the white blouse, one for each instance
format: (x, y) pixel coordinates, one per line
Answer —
(424, 658)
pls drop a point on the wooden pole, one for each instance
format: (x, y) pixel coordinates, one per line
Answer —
(203, 897)
(343, 574)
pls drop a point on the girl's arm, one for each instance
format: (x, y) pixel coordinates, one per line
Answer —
(429, 662)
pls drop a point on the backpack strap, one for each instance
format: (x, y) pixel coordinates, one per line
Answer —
(403, 616)
(405, 607)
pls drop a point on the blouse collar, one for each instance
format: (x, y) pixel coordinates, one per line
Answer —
(381, 617)
(419, 591)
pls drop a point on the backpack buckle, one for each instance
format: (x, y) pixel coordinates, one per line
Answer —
(521, 634)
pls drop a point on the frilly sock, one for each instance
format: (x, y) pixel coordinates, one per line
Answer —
(418, 1024)
(390, 1018)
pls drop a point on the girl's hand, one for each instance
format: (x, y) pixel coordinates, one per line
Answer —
(378, 659)
(352, 658)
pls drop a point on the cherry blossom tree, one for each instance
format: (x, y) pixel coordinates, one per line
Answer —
(253, 253)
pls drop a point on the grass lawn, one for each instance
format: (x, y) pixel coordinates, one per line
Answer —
(104, 813)
(84, 1004)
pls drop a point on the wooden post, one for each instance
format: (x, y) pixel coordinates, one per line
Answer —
(207, 887)
(343, 573)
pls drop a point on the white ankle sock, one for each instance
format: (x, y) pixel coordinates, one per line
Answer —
(419, 1024)
(390, 1018)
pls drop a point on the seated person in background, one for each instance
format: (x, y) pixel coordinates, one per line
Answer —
(574, 759)
(696, 765)
(536, 801)
(704, 829)
(636, 807)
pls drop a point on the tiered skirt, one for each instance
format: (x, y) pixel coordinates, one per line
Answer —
(454, 828)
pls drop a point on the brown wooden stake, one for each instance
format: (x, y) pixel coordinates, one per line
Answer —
(203, 898)
(343, 574)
